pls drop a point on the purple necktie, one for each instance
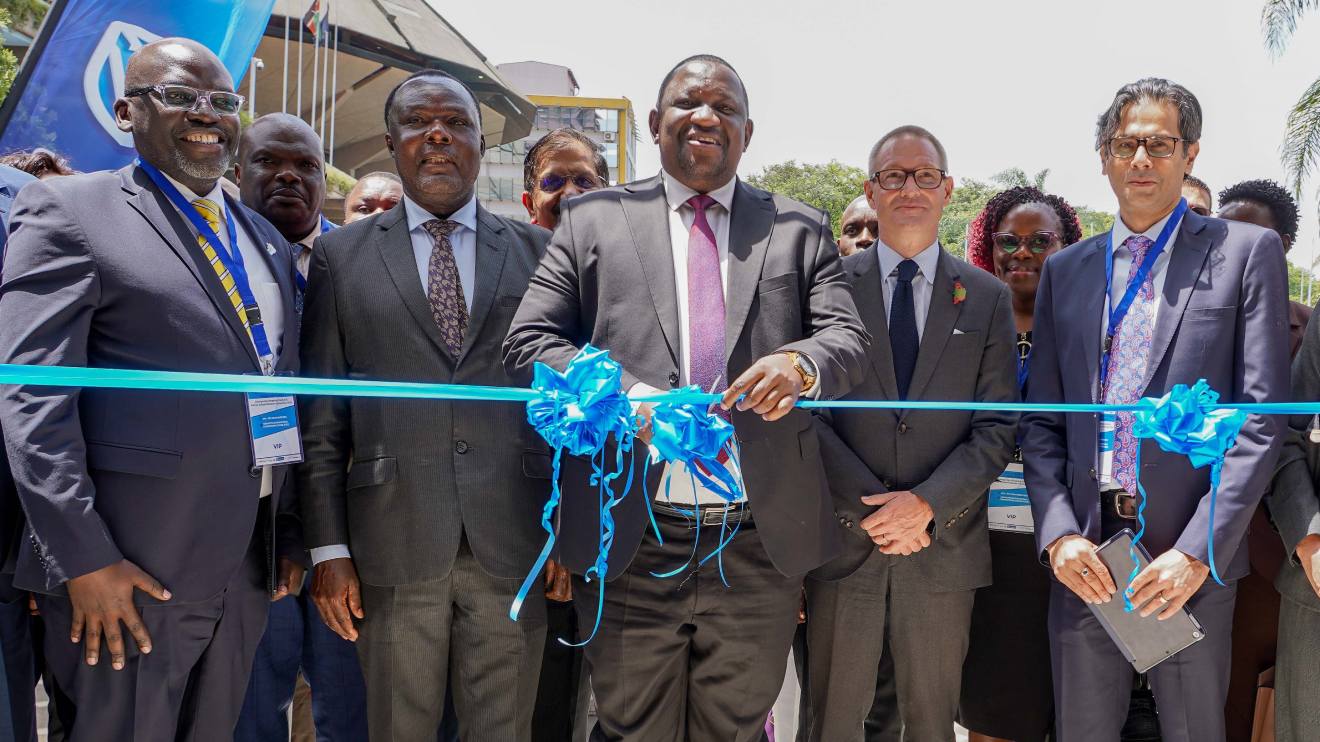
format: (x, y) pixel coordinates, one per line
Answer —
(705, 300)
(444, 288)
(1127, 364)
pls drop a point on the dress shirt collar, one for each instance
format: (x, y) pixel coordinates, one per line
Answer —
(312, 235)
(1121, 231)
(216, 196)
(466, 216)
(678, 194)
(927, 260)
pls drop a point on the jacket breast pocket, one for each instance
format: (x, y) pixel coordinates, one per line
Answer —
(777, 283)
(125, 459)
(1207, 314)
(372, 472)
(537, 465)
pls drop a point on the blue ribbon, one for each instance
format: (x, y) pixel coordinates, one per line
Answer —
(1192, 422)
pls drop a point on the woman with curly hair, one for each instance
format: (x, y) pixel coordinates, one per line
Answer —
(1007, 692)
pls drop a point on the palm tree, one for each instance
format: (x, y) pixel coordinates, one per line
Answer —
(1301, 141)
(1016, 177)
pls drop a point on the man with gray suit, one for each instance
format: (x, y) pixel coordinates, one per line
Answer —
(1204, 298)
(424, 516)
(693, 277)
(148, 508)
(1294, 508)
(909, 485)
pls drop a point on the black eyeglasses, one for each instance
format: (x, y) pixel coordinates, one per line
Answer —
(1125, 148)
(1037, 242)
(926, 178)
(555, 183)
(186, 98)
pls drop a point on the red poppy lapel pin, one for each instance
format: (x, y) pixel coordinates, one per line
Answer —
(959, 293)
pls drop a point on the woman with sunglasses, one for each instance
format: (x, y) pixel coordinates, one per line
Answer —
(1007, 692)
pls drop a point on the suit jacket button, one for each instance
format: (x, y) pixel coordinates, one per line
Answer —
(849, 524)
(902, 427)
(461, 447)
(254, 472)
(888, 484)
(1092, 473)
(673, 378)
(843, 521)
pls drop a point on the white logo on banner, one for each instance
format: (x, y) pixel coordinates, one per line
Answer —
(109, 58)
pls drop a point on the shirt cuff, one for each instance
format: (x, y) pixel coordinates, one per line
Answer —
(326, 553)
(641, 389)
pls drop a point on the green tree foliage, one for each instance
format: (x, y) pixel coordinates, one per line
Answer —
(8, 62)
(830, 187)
(1301, 140)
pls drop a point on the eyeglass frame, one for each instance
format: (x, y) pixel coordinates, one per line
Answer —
(600, 182)
(1141, 144)
(908, 175)
(159, 90)
(1054, 237)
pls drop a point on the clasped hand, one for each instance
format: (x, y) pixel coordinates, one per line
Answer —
(900, 524)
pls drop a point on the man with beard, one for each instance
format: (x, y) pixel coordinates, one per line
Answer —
(281, 175)
(423, 517)
(151, 524)
(693, 277)
(374, 193)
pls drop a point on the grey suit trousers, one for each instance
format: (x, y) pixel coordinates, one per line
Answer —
(452, 633)
(189, 689)
(848, 623)
(1297, 673)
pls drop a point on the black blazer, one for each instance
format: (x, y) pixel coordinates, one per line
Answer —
(101, 270)
(399, 480)
(608, 279)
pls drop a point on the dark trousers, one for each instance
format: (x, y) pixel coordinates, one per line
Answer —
(1297, 675)
(883, 723)
(19, 677)
(561, 696)
(848, 622)
(685, 657)
(1093, 682)
(419, 641)
(189, 689)
(297, 639)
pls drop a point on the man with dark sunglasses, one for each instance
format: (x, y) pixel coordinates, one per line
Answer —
(560, 165)
(158, 531)
(909, 486)
(1168, 297)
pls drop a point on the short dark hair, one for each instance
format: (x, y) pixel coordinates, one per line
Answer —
(1152, 89)
(38, 163)
(556, 141)
(1199, 184)
(432, 73)
(909, 130)
(1273, 196)
(705, 59)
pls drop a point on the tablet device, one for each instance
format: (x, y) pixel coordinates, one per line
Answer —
(1145, 642)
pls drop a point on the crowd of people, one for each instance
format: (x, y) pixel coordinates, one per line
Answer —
(171, 573)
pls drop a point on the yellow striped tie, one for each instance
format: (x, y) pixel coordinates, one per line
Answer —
(210, 211)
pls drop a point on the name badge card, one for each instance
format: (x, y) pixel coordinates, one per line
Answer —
(1010, 510)
(274, 426)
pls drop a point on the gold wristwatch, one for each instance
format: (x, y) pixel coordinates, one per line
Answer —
(805, 368)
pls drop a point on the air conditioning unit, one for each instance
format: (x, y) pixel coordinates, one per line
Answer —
(610, 137)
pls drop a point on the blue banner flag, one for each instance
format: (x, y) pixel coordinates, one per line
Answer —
(64, 96)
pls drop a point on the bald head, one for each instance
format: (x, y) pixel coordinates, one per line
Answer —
(192, 146)
(858, 227)
(281, 173)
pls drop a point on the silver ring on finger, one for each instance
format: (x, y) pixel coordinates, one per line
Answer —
(1085, 571)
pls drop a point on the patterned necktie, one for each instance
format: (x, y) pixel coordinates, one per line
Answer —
(904, 341)
(1127, 363)
(210, 211)
(444, 288)
(705, 300)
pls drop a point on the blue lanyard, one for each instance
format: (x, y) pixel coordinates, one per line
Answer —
(233, 262)
(1119, 311)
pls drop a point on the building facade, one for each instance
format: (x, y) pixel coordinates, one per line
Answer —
(607, 121)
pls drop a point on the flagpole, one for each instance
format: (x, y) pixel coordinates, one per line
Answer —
(325, 69)
(284, 85)
(297, 109)
(316, 67)
(334, 97)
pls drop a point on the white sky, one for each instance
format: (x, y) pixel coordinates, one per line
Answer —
(1003, 84)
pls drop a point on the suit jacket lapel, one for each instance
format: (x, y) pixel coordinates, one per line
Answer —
(648, 220)
(753, 220)
(1186, 261)
(170, 225)
(491, 251)
(282, 273)
(940, 318)
(395, 246)
(1091, 308)
(868, 294)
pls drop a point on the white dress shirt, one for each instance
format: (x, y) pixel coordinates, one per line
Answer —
(923, 284)
(1123, 266)
(463, 240)
(303, 260)
(264, 288)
